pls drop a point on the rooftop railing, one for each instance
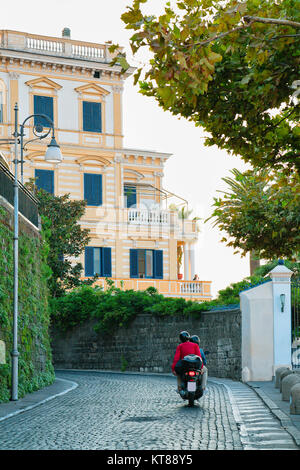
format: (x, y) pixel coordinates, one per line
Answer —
(54, 46)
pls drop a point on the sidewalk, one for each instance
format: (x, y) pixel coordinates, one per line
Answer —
(13, 408)
(271, 396)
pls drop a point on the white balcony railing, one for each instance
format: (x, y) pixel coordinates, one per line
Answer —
(149, 217)
(76, 50)
(88, 52)
(44, 45)
(192, 287)
(64, 46)
(172, 288)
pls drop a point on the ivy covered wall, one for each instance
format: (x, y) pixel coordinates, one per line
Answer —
(35, 361)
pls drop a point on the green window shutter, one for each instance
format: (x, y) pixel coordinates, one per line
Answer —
(45, 180)
(106, 262)
(43, 105)
(134, 272)
(158, 264)
(93, 189)
(92, 119)
(89, 261)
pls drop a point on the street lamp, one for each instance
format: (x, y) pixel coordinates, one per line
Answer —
(53, 154)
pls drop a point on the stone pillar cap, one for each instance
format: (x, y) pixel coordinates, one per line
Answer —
(280, 270)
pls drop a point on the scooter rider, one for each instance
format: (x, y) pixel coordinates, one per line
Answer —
(184, 349)
(195, 339)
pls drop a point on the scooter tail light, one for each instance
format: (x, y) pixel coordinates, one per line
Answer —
(192, 373)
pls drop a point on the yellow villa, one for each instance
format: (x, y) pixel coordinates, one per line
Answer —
(135, 237)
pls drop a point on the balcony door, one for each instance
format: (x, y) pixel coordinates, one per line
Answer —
(130, 195)
(146, 264)
(98, 261)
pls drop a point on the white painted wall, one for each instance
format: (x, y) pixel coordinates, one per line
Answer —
(67, 104)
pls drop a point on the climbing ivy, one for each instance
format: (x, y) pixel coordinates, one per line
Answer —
(35, 365)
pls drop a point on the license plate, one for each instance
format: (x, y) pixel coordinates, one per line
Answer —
(191, 386)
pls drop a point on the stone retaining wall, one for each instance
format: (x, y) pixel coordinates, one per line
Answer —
(149, 344)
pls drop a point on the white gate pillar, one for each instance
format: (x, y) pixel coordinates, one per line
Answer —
(266, 326)
(281, 283)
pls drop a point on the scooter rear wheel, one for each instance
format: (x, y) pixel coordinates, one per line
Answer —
(191, 399)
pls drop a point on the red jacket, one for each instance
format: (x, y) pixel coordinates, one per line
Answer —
(183, 349)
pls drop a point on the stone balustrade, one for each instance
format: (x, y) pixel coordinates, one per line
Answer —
(191, 287)
(144, 216)
(18, 41)
(199, 291)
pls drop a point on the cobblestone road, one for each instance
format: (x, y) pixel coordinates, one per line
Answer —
(133, 412)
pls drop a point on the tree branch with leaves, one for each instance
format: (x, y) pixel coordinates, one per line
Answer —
(219, 65)
(260, 212)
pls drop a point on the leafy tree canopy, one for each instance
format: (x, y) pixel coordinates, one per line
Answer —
(261, 213)
(231, 67)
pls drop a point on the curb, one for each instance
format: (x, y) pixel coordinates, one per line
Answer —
(236, 414)
(64, 385)
(284, 419)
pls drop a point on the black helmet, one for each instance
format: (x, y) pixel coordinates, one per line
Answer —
(195, 339)
(184, 336)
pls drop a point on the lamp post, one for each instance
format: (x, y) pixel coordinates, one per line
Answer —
(53, 154)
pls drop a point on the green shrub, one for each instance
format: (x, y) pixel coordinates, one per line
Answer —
(116, 308)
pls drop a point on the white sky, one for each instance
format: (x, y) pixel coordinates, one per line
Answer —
(193, 171)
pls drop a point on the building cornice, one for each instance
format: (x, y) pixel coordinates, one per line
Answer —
(65, 64)
(111, 151)
(145, 153)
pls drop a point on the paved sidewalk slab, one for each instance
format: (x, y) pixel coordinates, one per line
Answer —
(281, 409)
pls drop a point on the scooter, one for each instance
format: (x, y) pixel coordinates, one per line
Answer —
(191, 388)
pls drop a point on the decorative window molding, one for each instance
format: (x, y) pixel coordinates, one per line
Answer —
(43, 86)
(43, 82)
(92, 160)
(94, 93)
(132, 174)
(92, 89)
